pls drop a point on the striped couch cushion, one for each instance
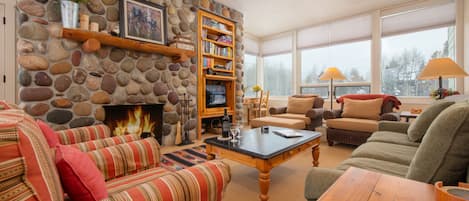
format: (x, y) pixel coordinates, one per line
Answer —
(83, 134)
(206, 181)
(165, 188)
(106, 142)
(126, 182)
(140, 155)
(25, 151)
(109, 161)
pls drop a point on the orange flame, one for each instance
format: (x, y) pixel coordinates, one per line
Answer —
(136, 123)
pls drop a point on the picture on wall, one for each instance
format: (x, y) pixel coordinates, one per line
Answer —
(143, 20)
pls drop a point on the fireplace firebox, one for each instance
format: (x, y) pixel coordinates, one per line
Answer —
(143, 120)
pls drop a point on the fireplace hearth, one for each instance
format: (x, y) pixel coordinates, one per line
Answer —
(143, 120)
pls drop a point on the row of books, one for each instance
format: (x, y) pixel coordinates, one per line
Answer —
(214, 24)
(210, 62)
(211, 48)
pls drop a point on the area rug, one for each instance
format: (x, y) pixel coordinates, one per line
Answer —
(181, 159)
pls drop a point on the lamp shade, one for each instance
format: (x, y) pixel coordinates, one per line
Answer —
(332, 73)
(444, 67)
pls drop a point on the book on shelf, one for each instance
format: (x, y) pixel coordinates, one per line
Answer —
(216, 25)
(287, 133)
(211, 48)
(207, 62)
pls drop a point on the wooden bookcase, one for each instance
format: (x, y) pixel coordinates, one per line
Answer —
(216, 63)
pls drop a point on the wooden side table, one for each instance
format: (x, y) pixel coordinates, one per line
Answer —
(361, 185)
(407, 115)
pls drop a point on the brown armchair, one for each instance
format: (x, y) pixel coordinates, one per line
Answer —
(356, 131)
(312, 117)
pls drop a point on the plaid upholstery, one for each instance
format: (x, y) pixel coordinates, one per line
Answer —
(140, 155)
(206, 181)
(110, 162)
(83, 134)
(121, 139)
(25, 154)
(102, 143)
(166, 188)
(126, 182)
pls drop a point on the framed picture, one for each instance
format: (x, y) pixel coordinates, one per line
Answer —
(143, 20)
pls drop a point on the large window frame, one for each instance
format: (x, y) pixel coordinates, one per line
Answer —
(375, 78)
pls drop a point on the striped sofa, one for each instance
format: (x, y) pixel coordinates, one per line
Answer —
(129, 165)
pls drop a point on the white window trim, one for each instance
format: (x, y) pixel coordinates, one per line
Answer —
(10, 56)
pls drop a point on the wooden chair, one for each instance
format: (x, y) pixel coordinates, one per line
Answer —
(261, 107)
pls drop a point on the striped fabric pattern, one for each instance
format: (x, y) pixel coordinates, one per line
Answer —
(23, 147)
(83, 134)
(126, 182)
(206, 181)
(102, 143)
(140, 155)
(109, 161)
(166, 188)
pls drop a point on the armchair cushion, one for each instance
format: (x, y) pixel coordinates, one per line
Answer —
(364, 125)
(392, 138)
(363, 109)
(395, 153)
(419, 127)
(375, 165)
(299, 105)
(80, 177)
(294, 116)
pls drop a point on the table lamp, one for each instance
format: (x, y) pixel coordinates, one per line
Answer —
(441, 68)
(332, 73)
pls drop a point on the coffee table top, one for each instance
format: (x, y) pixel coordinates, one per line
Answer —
(264, 145)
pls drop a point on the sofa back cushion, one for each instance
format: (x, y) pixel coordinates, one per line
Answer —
(27, 170)
(443, 154)
(419, 126)
(362, 109)
(299, 105)
(83, 134)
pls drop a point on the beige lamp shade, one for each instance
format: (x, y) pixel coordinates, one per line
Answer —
(332, 73)
(444, 67)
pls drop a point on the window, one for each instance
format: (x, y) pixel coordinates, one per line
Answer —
(342, 90)
(353, 59)
(322, 91)
(278, 74)
(405, 55)
(250, 74)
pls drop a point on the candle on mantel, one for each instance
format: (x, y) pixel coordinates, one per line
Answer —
(84, 22)
(94, 26)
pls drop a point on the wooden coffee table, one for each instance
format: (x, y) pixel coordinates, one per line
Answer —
(363, 185)
(264, 151)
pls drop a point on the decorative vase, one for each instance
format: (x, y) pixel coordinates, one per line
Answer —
(69, 10)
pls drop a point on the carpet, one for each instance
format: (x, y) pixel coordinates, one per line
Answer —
(181, 159)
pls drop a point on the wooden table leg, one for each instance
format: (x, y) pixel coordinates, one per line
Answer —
(208, 150)
(315, 153)
(264, 179)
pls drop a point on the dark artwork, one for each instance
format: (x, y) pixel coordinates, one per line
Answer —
(143, 21)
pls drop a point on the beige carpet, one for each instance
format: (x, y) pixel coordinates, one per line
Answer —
(287, 180)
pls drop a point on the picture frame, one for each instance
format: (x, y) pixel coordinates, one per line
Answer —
(143, 20)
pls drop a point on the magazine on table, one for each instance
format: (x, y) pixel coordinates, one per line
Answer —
(287, 133)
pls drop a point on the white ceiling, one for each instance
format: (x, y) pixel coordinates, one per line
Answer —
(267, 17)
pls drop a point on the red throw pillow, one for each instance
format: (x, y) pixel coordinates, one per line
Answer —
(80, 177)
(49, 134)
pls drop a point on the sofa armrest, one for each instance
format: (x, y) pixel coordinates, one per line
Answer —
(210, 178)
(106, 142)
(319, 180)
(277, 110)
(332, 114)
(315, 113)
(83, 134)
(393, 126)
(390, 116)
(204, 182)
(127, 158)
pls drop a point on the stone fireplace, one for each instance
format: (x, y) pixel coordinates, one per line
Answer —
(61, 84)
(143, 120)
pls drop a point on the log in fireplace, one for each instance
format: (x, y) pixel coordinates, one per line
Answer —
(144, 120)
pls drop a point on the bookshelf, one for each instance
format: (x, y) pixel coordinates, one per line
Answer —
(216, 64)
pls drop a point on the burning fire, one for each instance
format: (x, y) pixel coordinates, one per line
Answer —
(136, 123)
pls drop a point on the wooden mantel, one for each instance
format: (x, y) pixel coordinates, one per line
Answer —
(178, 55)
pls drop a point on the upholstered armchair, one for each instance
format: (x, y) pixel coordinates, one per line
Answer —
(355, 126)
(300, 107)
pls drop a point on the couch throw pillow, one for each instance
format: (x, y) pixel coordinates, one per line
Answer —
(419, 126)
(81, 179)
(299, 105)
(49, 134)
(362, 109)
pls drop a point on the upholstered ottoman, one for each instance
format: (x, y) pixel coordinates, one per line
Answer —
(280, 122)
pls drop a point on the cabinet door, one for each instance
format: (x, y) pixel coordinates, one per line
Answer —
(2, 52)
